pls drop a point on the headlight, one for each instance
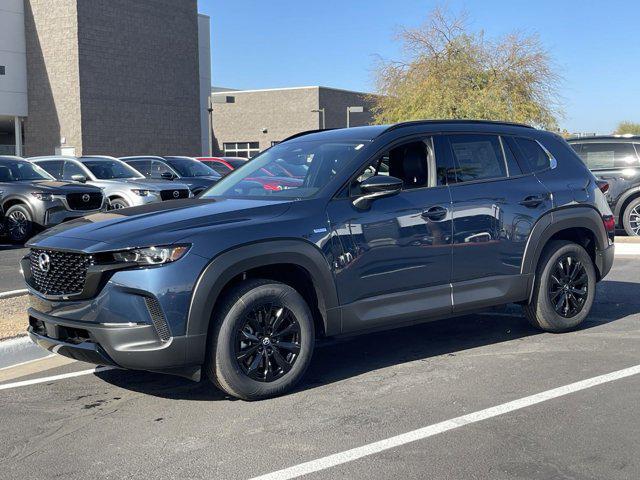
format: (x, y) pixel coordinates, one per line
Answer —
(43, 197)
(151, 255)
(143, 193)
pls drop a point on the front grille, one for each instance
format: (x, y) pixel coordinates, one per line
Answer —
(59, 273)
(157, 317)
(84, 200)
(174, 194)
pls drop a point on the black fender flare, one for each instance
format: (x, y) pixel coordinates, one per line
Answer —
(632, 192)
(231, 263)
(556, 221)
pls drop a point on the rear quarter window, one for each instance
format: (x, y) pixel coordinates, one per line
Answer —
(533, 154)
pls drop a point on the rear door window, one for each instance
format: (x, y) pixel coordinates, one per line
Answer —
(605, 155)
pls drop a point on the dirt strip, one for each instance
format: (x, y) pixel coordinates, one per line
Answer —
(13, 317)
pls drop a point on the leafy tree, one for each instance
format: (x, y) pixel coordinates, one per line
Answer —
(628, 128)
(453, 72)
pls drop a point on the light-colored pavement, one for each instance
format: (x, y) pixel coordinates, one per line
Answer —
(360, 390)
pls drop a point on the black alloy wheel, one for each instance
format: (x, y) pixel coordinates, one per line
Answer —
(268, 342)
(568, 286)
(19, 224)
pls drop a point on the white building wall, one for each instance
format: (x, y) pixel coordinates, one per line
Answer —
(13, 56)
(204, 48)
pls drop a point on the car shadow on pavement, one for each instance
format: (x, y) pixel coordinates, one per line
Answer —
(342, 358)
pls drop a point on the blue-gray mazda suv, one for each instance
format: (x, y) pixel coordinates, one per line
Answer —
(385, 227)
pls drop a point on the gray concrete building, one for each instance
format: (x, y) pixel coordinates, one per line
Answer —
(104, 77)
(246, 122)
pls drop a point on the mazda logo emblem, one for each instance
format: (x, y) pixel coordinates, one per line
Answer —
(86, 198)
(176, 194)
(44, 262)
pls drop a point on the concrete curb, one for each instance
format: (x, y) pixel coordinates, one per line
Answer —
(19, 350)
(13, 294)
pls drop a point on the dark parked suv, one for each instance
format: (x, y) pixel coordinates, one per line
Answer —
(616, 160)
(389, 226)
(32, 199)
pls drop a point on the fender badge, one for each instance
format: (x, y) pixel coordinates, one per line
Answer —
(319, 230)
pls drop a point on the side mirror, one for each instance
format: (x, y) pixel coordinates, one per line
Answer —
(79, 178)
(166, 176)
(376, 187)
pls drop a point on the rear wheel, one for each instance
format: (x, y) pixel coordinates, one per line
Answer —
(631, 218)
(19, 223)
(261, 341)
(564, 288)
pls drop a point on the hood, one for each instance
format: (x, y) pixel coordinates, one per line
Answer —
(61, 187)
(161, 223)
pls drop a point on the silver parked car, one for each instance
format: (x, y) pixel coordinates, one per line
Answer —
(122, 185)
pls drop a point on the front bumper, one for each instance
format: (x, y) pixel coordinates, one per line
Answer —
(135, 319)
(59, 214)
(132, 346)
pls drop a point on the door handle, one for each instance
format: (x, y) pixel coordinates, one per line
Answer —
(532, 201)
(435, 213)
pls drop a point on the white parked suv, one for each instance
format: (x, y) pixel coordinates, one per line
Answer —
(122, 185)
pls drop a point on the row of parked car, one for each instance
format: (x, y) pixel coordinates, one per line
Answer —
(41, 192)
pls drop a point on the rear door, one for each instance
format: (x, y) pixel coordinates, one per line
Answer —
(495, 203)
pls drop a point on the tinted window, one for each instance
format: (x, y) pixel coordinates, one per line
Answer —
(52, 168)
(70, 169)
(110, 169)
(221, 168)
(143, 166)
(533, 154)
(477, 157)
(158, 168)
(20, 171)
(189, 167)
(512, 162)
(598, 156)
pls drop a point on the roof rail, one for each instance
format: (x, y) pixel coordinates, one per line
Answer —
(454, 121)
(306, 132)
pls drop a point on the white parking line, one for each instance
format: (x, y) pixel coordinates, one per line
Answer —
(431, 430)
(53, 378)
(627, 249)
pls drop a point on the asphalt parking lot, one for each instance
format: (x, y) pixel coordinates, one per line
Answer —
(360, 390)
(10, 279)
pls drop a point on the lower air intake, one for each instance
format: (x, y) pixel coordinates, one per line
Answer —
(157, 317)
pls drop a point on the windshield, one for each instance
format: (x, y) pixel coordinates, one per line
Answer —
(21, 171)
(289, 170)
(110, 169)
(187, 167)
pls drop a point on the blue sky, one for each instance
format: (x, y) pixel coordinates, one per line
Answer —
(285, 43)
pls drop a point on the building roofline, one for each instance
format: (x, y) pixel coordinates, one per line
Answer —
(318, 87)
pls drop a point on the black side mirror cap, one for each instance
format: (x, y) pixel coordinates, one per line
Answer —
(375, 187)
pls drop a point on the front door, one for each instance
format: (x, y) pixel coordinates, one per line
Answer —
(393, 259)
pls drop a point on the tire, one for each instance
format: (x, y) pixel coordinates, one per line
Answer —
(19, 224)
(228, 340)
(118, 203)
(541, 311)
(631, 218)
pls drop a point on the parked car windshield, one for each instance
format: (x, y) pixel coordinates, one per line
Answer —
(110, 169)
(21, 171)
(315, 162)
(187, 167)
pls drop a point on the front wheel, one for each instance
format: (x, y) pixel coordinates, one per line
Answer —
(261, 341)
(19, 224)
(564, 289)
(118, 204)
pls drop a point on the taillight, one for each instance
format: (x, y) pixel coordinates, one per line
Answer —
(603, 186)
(272, 187)
(609, 223)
